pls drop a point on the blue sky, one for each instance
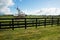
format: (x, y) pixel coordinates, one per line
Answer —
(31, 6)
(37, 4)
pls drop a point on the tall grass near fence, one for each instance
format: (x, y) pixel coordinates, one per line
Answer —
(31, 33)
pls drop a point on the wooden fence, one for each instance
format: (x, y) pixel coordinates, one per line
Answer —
(6, 23)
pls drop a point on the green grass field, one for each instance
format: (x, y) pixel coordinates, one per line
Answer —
(31, 33)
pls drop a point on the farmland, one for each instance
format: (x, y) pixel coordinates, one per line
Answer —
(31, 33)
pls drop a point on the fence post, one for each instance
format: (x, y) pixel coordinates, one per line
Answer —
(12, 24)
(45, 23)
(36, 22)
(25, 24)
(0, 25)
(57, 21)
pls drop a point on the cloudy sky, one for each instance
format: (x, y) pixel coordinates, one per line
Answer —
(30, 7)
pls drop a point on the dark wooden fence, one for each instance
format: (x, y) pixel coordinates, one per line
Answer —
(6, 23)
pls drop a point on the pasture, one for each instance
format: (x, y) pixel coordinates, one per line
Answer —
(31, 33)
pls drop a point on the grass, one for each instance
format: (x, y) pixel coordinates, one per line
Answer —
(31, 33)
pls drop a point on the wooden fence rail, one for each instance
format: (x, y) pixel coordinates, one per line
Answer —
(6, 23)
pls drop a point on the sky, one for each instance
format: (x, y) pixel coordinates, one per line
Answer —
(30, 7)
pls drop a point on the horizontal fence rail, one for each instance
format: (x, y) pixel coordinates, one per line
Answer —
(6, 23)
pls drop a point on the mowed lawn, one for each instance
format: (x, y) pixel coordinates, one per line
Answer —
(31, 33)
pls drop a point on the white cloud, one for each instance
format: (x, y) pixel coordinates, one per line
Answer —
(4, 6)
(45, 11)
(50, 11)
